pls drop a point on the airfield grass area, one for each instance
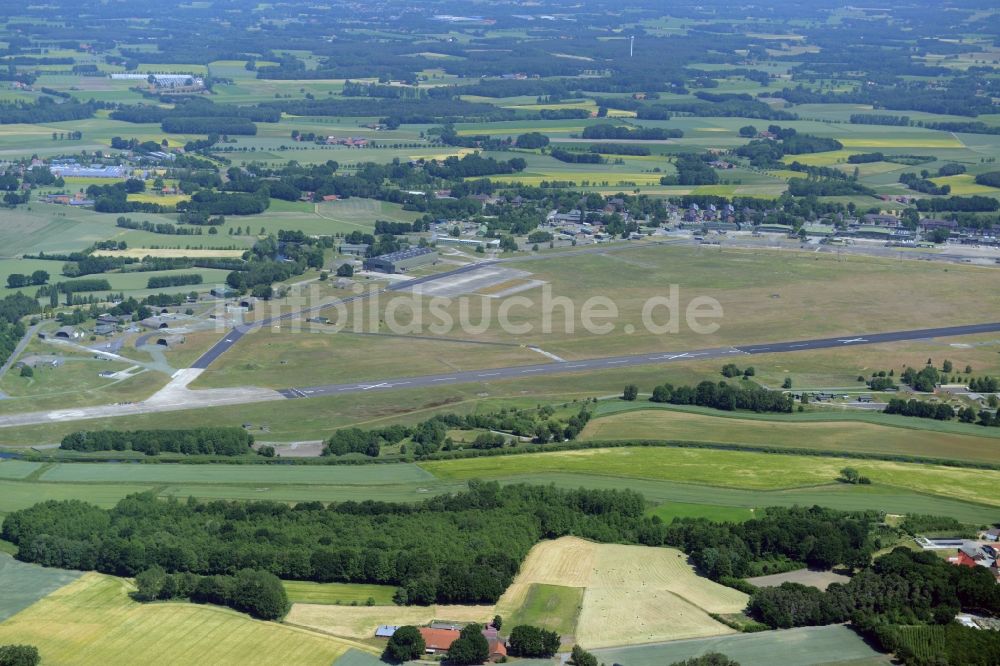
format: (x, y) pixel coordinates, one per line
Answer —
(836, 434)
(286, 359)
(764, 295)
(94, 621)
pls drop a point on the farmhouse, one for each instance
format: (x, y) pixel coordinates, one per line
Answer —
(402, 261)
(438, 640)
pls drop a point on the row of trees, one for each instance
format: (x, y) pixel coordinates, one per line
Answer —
(619, 132)
(430, 436)
(720, 395)
(179, 280)
(222, 441)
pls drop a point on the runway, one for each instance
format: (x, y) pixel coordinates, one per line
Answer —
(609, 363)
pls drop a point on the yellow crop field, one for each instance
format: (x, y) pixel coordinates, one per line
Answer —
(361, 621)
(162, 199)
(632, 594)
(886, 142)
(94, 621)
(965, 184)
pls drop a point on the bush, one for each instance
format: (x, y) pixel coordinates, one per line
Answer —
(528, 641)
(580, 657)
(471, 647)
(630, 393)
(19, 655)
(405, 644)
(27, 371)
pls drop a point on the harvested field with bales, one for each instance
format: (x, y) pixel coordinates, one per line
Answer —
(632, 594)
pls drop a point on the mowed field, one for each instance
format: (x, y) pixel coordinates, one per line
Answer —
(94, 621)
(764, 295)
(729, 469)
(631, 594)
(836, 434)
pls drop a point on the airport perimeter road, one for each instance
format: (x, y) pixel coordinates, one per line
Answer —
(524, 371)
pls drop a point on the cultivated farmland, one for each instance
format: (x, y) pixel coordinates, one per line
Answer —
(93, 621)
(632, 594)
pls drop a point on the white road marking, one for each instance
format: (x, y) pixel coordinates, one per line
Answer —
(803, 344)
(488, 374)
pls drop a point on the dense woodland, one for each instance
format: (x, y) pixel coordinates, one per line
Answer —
(899, 591)
(464, 548)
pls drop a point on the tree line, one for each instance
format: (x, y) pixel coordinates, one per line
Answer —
(160, 281)
(721, 395)
(220, 441)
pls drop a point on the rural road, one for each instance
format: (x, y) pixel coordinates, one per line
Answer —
(183, 398)
(609, 363)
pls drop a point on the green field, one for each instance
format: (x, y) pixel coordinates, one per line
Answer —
(552, 607)
(728, 469)
(821, 430)
(808, 646)
(722, 514)
(352, 594)
(350, 475)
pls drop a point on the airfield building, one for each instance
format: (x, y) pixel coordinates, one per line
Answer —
(402, 261)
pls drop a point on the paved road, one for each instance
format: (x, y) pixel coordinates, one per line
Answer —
(523, 371)
(21, 344)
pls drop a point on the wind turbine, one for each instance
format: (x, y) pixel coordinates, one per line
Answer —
(631, 45)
